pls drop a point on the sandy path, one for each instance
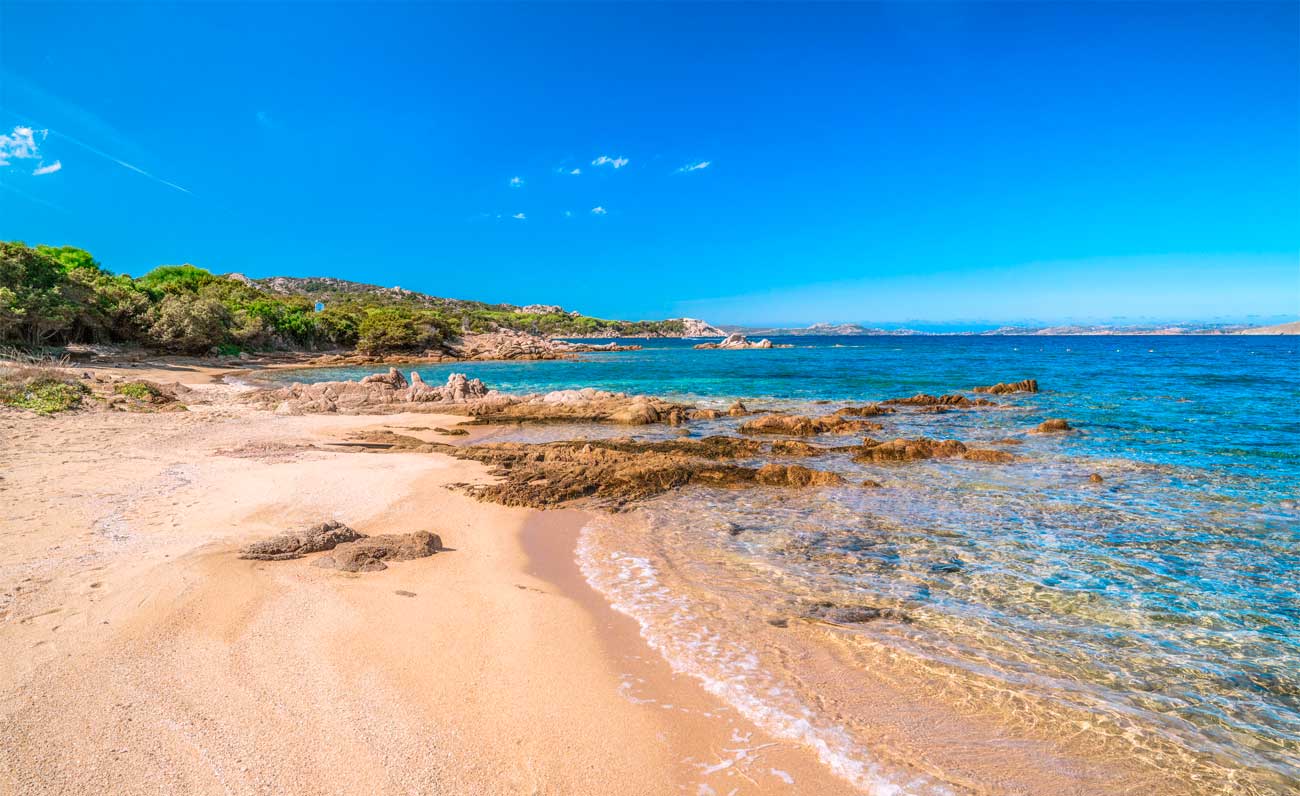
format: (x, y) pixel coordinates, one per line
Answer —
(141, 656)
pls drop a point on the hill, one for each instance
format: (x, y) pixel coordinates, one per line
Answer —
(1282, 328)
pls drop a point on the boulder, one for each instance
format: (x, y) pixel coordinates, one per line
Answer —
(1053, 425)
(803, 426)
(795, 475)
(393, 378)
(369, 553)
(737, 341)
(954, 399)
(988, 456)
(296, 544)
(907, 450)
(737, 410)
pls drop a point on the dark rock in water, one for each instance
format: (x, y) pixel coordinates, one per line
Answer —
(1096, 478)
(987, 456)
(704, 414)
(368, 554)
(907, 450)
(737, 410)
(803, 426)
(870, 484)
(870, 410)
(935, 410)
(1008, 441)
(324, 536)
(794, 447)
(947, 567)
(1053, 425)
(851, 614)
(1001, 388)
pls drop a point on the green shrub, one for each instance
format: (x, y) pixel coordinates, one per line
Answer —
(139, 390)
(39, 390)
(189, 324)
(387, 329)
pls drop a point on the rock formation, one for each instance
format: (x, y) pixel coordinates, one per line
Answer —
(579, 406)
(737, 410)
(739, 341)
(803, 426)
(296, 544)
(368, 553)
(911, 450)
(1002, 388)
(924, 399)
(1053, 425)
(374, 394)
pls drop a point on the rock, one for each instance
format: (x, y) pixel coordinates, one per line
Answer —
(987, 456)
(907, 450)
(580, 406)
(794, 447)
(934, 410)
(705, 414)
(506, 344)
(369, 553)
(1008, 441)
(393, 378)
(737, 410)
(803, 426)
(296, 544)
(737, 341)
(795, 475)
(850, 614)
(1053, 425)
(870, 484)
(1096, 478)
(870, 410)
(954, 399)
(1002, 388)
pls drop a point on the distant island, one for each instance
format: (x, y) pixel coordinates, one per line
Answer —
(843, 329)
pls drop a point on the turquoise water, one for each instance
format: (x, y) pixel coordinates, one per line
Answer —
(1165, 598)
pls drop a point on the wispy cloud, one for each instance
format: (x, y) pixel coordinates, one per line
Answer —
(575, 172)
(606, 160)
(703, 164)
(519, 216)
(599, 211)
(119, 161)
(50, 169)
(20, 144)
(516, 182)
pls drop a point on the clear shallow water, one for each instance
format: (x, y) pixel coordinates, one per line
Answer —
(1161, 606)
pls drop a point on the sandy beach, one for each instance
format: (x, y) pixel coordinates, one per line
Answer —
(143, 656)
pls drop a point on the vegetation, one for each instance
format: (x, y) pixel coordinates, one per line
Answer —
(54, 296)
(39, 389)
(139, 390)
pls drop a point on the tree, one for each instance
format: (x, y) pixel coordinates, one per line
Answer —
(189, 324)
(33, 307)
(387, 329)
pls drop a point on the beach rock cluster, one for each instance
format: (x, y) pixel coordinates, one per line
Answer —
(739, 341)
(804, 426)
(376, 393)
(580, 406)
(1003, 388)
(296, 544)
(350, 551)
(368, 553)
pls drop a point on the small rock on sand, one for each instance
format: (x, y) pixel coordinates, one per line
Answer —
(299, 543)
(369, 553)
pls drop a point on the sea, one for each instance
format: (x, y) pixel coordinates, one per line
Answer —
(1150, 618)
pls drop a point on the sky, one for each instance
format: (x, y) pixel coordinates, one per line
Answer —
(746, 164)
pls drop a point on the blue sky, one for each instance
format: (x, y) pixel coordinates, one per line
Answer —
(741, 163)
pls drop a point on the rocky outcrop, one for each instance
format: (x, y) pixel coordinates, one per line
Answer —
(504, 344)
(694, 327)
(368, 553)
(737, 409)
(374, 394)
(1003, 388)
(795, 475)
(954, 399)
(296, 544)
(870, 410)
(580, 406)
(738, 341)
(1053, 425)
(912, 450)
(803, 426)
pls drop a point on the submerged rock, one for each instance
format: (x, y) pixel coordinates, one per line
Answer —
(870, 410)
(851, 614)
(369, 553)
(912, 450)
(1096, 478)
(296, 544)
(795, 475)
(1053, 425)
(1003, 388)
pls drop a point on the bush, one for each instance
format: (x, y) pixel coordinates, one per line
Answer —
(176, 279)
(139, 390)
(189, 324)
(41, 390)
(389, 329)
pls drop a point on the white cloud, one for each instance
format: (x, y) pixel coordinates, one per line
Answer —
(599, 211)
(576, 172)
(20, 144)
(606, 160)
(703, 164)
(516, 182)
(568, 213)
(50, 169)
(519, 216)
